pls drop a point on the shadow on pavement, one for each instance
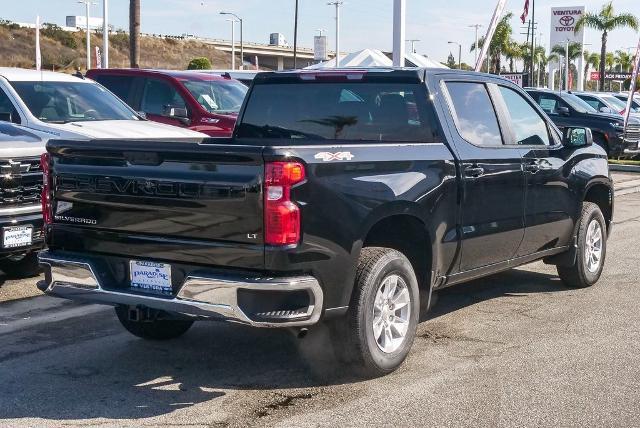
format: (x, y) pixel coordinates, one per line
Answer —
(89, 367)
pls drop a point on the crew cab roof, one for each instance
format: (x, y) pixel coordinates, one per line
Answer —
(24, 75)
(176, 74)
(378, 74)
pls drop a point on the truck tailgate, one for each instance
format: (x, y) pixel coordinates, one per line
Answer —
(146, 196)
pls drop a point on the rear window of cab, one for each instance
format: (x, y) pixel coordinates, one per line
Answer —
(308, 112)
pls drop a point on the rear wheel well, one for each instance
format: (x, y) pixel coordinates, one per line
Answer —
(408, 235)
(600, 195)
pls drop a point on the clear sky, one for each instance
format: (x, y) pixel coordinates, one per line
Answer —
(364, 23)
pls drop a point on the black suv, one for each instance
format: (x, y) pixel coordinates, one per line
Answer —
(568, 110)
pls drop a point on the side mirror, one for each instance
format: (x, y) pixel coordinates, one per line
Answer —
(142, 114)
(605, 110)
(5, 117)
(179, 113)
(577, 137)
(564, 111)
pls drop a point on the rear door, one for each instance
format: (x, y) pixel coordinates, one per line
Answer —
(492, 177)
(159, 96)
(549, 203)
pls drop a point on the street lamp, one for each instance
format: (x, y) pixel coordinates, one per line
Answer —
(476, 26)
(233, 42)
(459, 53)
(87, 4)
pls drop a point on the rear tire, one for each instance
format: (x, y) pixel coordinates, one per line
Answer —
(591, 252)
(383, 314)
(159, 329)
(22, 267)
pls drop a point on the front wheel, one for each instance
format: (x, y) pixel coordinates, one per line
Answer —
(155, 329)
(383, 313)
(592, 249)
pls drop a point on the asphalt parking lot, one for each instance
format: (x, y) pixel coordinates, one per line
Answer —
(515, 349)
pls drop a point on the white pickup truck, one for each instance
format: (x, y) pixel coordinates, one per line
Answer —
(66, 106)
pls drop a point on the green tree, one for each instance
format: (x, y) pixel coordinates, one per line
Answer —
(575, 51)
(451, 61)
(591, 59)
(606, 21)
(624, 60)
(499, 44)
(200, 63)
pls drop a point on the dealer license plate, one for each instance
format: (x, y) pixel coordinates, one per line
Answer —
(17, 236)
(150, 276)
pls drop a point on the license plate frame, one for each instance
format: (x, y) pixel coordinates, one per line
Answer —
(150, 276)
(17, 236)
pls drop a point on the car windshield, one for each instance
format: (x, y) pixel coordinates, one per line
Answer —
(578, 104)
(217, 96)
(614, 103)
(64, 102)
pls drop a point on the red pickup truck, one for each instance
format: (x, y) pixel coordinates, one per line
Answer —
(202, 102)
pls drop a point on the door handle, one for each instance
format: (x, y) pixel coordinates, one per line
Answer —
(474, 171)
(532, 167)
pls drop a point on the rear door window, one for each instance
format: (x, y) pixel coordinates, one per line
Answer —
(474, 113)
(121, 86)
(528, 126)
(159, 96)
(338, 111)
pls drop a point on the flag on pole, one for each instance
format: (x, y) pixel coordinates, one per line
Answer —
(632, 86)
(525, 13)
(38, 55)
(490, 31)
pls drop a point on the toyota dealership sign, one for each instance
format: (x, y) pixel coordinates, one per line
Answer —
(563, 25)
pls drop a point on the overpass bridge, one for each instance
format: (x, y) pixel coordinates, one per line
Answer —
(268, 56)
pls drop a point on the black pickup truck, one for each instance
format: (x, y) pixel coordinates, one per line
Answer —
(344, 196)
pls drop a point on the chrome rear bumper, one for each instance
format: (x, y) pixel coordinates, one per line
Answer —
(201, 296)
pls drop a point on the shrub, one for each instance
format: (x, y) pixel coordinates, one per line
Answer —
(56, 33)
(200, 63)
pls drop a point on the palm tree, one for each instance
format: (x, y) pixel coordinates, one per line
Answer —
(610, 60)
(624, 60)
(499, 44)
(134, 33)
(575, 50)
(605, 22)
(590, 60)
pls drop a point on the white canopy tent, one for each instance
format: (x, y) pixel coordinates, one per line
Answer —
(364, 58)
(412, 59)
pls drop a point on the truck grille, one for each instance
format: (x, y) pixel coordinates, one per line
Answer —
(633, 133)
(20, 182)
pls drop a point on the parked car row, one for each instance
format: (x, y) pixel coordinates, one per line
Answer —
(568, 109)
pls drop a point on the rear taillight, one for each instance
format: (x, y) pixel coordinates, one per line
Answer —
(281, 215)
(47, 203)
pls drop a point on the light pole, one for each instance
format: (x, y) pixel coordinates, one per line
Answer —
(295, 38)
(337, 4)
(105, 33)
(459, 53)
(476, 26)
(233, 45)
(87, 5)
(413, 44)
(566, 71)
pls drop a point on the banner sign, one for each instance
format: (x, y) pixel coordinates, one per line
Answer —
(610, 75)
(632, 87)
(320, 48)
(563, 25)
(516, 78)
(497, 14)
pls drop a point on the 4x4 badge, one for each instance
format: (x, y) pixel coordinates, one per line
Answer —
(339, 156)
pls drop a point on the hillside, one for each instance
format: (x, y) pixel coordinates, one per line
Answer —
(65, 51)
